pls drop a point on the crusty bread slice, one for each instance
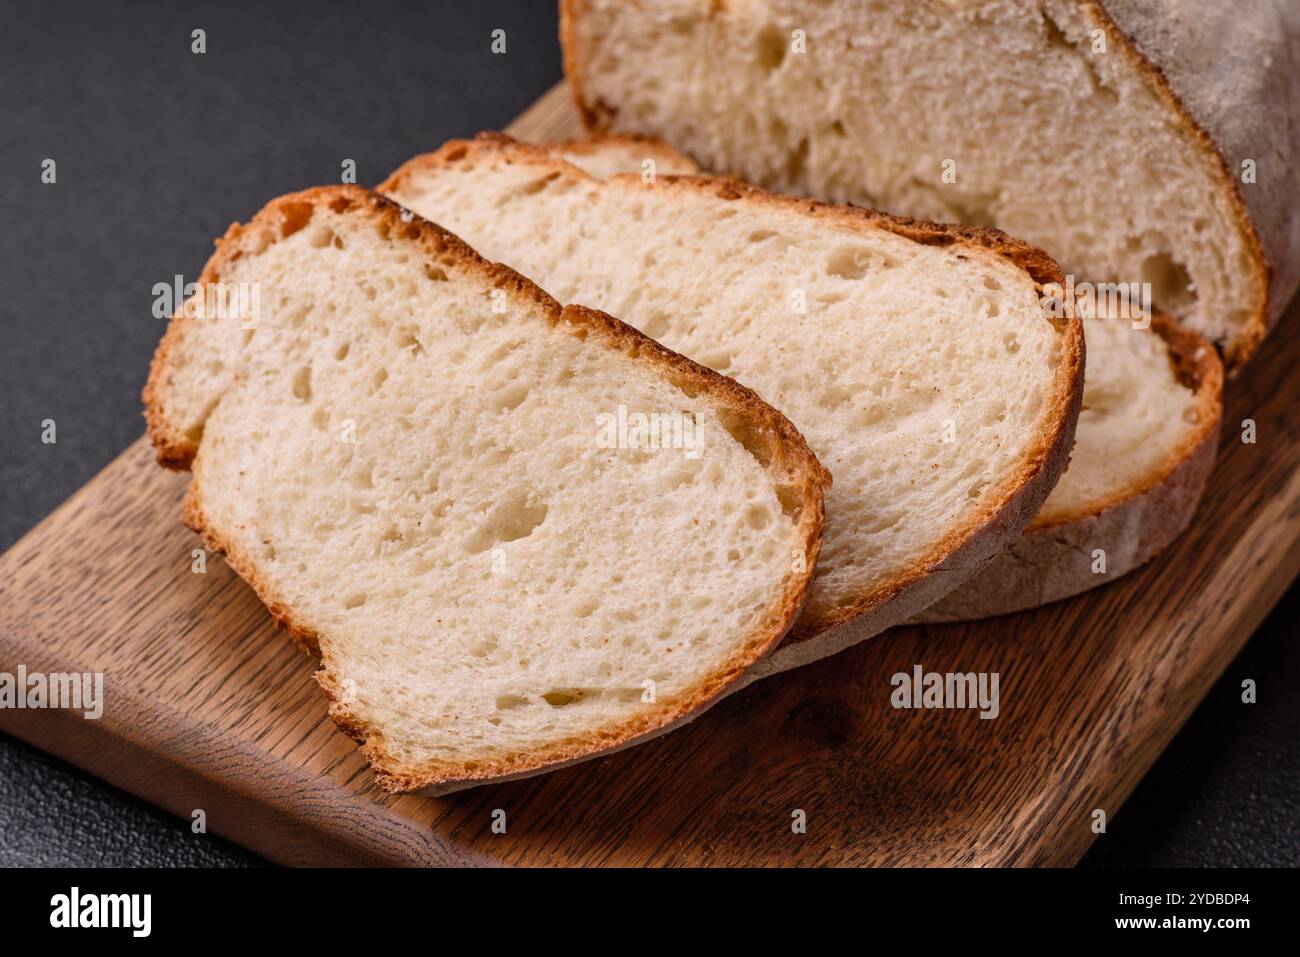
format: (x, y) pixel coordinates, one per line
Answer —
(1143, 452)
(917, 359)
(1143, 449)
(412, 456)
(1135, 140)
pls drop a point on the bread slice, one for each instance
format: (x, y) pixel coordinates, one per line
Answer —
(1143, 449)
(410, 456)
(1143, 452)
(1137, 141)
(917, 359)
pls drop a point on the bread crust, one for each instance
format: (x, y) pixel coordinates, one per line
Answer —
(775, 441)
(570, 12)
(1262, 311)
(1269, 298)
(174, 449)
(966, 547)
(1054, 557)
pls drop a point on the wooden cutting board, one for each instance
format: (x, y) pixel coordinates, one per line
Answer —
(209, 707)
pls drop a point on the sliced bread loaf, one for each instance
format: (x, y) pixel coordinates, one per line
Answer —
(917, 359)
(1137, 141)
(1143, 452)
(424, 467)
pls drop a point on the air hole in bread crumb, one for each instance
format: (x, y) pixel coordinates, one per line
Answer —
(537, 185)
(434, 273)
(1171, 285)
(377, 380)
(771, 47)
(293, 217)
(483, 647)
(355, 600)
(796, 162)
(852, 262)
(561, 697)
(511, 520)
(298, 314)
(342, 352)
(302, 384)
(320, 236)
(1011, 343)
(407, 340)
(363, 477)
(757, 517)
(511, 396)
(508, 702)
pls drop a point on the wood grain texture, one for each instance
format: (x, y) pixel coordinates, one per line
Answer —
(208, 706)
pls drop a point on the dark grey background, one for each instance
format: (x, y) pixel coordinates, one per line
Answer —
(158, 150)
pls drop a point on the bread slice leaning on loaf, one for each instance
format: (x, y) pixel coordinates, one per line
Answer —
(917, 359)
(1143, 449)
(410, 453)
(1137, 141)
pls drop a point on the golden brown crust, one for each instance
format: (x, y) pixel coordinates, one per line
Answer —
(1009, 508)
(175, 449)
(570, 12)
(597, 117)
(771, 438)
